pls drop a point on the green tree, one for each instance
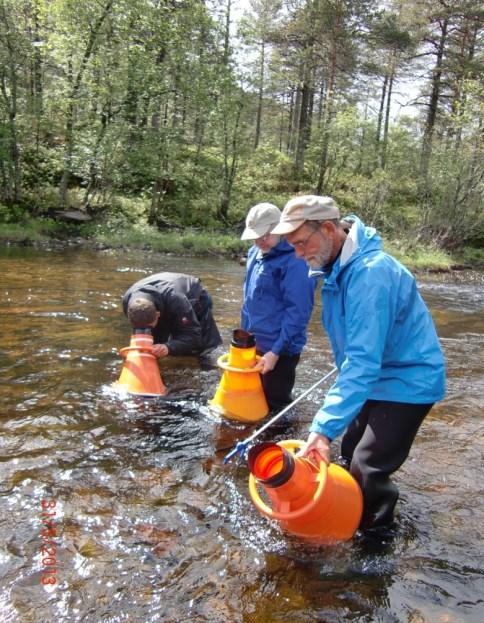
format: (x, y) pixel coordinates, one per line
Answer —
(13, 54)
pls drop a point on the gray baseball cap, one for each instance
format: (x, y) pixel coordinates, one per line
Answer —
(260, 219)
(306, 208)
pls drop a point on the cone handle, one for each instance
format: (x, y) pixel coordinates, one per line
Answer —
(289, 444)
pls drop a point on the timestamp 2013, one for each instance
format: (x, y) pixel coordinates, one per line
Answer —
(48, 551)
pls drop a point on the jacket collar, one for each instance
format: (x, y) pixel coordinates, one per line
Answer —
(360, 240)
(281, 248)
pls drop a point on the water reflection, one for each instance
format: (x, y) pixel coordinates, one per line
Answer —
(152, 525)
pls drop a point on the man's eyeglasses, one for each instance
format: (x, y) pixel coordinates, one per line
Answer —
(301, 244)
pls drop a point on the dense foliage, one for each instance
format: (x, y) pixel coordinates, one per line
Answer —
(163, 102)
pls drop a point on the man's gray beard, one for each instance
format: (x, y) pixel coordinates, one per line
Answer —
(320, 262)
(314, 265)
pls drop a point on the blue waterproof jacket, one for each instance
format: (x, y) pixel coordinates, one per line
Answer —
(381, 332)
(278, 299)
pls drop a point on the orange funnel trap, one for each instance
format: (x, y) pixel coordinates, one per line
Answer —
(140, 374)
(240, 395)
(320, 503)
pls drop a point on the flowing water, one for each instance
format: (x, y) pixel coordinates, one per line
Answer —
(147, 524)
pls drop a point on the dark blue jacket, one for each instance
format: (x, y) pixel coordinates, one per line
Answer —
(278, 299)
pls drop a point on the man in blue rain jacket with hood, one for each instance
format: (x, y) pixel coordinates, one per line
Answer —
(278, 301)
(390, 363)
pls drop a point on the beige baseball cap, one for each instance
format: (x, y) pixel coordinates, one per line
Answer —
(260, 219)
(306, 208)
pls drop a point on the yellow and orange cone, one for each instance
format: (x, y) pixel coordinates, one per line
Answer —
(240, 395)
(140, 374)
(321, 503)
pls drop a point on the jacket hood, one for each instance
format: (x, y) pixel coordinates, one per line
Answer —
(360, 241)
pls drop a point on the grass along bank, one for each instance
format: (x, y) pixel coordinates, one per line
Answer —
(43, 232)
(190, 242)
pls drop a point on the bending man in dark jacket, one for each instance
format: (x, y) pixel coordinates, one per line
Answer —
(179, 312)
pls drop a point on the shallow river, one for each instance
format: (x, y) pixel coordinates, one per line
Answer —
(150, 525)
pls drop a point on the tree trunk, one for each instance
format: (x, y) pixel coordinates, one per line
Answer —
(38, 87)
(359, 166)
(433, 106)
(459, 104)
(199, 144)
(14, 150)
(260, 97)
(106, 116)
(384, 143)
(327, 118)
(303, 129)
(226, 54)
(9, 94)
(231, 156)
(295, 121)
(132, 89)
(69, 144)
(72, 101)
(380, 117)
(156, 194)
(290, 118)
(322, 97)
(281, 125)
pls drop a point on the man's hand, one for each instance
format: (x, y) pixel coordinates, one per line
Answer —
(316, 448)
(160, 350)
(267, 362)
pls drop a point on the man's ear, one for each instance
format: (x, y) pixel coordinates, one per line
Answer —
(328, 229)
(157, 317)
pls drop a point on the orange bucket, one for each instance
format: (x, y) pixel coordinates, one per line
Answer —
(140, 373)
(321, 503)
(240, 395)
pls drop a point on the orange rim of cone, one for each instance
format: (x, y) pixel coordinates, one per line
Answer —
(221, 362)
(289, 444)
(140, 349)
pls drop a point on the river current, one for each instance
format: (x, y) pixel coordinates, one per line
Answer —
(149, 525)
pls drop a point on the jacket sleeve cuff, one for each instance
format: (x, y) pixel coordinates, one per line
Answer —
(321, 429)
(277, 347)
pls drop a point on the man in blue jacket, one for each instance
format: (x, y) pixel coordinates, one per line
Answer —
(391, 366)
(278, 300)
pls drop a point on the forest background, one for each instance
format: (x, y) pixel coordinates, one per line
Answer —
(161, 122)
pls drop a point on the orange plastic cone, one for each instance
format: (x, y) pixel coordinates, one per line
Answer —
(240, 395)
(321, 503)
(140, 373)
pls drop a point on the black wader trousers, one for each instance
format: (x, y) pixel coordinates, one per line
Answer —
(278, 383)
(210, 334)
(374, 446)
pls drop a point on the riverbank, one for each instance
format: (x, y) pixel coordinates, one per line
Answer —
(49, 233)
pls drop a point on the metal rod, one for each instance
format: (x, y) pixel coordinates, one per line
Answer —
(241, 445)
